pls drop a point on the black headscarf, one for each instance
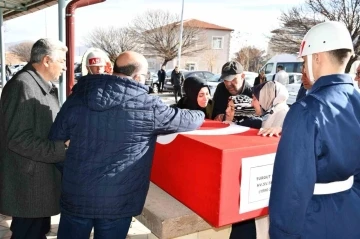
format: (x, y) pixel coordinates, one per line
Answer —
(192, 86)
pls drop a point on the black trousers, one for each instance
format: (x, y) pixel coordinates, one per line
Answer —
(30, 228)
(161, 85)
(177, 92)
(243, 230)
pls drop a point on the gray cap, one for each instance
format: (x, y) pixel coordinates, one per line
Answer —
(231, 68)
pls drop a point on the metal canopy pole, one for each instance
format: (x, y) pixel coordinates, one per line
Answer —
(2, 48)
(62, 80)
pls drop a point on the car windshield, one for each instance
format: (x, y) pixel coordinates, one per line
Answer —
(214, 78)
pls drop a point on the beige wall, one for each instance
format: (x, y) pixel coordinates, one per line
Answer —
(208, 60)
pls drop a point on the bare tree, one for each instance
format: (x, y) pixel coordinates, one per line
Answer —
(294, 25)
(112, 40)
(210, 57)
(250, 57)
(297, 21)
(158, 32)
(22, 50)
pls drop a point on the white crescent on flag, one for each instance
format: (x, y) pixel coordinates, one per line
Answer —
(231, 129)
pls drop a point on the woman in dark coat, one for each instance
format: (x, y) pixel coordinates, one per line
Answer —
(197, 96)
(261, 78)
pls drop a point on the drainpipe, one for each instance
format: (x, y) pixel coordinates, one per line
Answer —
(70, 38)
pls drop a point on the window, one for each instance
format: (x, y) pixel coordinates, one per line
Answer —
(268, 68)
(208, 75)
(190, 66)
(217, 42)
(291, 66)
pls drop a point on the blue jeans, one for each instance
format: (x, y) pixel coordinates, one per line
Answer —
(72, 227)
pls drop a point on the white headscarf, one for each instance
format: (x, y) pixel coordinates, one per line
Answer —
(272, 98)
(272, 94)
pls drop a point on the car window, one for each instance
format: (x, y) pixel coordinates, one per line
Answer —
(214, 78)
(208, 75)
(268, 68)
(197, 74)
(291, 66)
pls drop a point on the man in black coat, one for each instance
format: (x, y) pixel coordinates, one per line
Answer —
(29, 180)
(161, 77)
(233, 84)
(177, 79)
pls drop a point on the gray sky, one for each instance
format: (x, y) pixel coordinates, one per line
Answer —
(254, 18)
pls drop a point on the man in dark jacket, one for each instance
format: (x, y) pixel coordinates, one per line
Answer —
(113, 124)
(29, 181)
(161, 77)
(233, 84)
(177, 79)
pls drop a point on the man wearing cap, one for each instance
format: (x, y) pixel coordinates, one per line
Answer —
(315, 190)
(233, 84)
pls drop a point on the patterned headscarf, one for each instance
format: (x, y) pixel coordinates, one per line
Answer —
(242, 105)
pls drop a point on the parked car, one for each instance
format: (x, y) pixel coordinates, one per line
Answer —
(201, 74)
(153, 82)
(293, 87)
(17, 67)
(213, 82)
(295, 83)
(77, 71)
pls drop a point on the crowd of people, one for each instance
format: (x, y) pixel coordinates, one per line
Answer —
(91, 159)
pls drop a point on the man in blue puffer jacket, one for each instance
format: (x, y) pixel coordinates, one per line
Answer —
(112, 123)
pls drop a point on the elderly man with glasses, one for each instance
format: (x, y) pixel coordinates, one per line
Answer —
(29, 181)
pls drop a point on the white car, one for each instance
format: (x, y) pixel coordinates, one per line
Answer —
(293, 87)
(295, 84)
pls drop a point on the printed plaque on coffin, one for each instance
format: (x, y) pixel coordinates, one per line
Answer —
(256, 175)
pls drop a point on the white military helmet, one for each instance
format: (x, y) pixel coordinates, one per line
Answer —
(323, 37)
(96, 58)
(326, 36)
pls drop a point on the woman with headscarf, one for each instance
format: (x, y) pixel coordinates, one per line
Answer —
(197, 96)
(269, 102)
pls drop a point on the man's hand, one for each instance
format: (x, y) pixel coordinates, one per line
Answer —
(67, 143)
(270, 131)
(219, 117)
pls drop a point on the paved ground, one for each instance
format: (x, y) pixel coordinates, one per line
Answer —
(137, 230)
(167, 97)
